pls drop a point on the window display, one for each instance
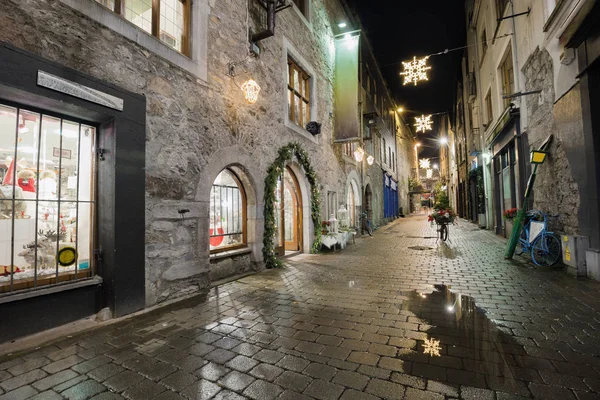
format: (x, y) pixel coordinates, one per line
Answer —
(227, 212)
(46, 199)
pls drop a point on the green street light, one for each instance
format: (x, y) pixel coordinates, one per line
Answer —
(537, 157)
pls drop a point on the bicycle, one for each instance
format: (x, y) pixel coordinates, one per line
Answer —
(442, 231)
(367, 225)
(545, 246)
(442, 219)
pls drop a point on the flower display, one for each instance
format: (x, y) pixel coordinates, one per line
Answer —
(510, 214)
(442, 216)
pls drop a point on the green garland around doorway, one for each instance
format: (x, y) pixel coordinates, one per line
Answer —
(275, 170)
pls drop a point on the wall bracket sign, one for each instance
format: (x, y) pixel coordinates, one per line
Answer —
(77, 90)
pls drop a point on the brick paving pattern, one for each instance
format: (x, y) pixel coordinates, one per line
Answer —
(348, 325)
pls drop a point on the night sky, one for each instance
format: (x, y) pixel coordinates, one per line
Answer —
(401, 29)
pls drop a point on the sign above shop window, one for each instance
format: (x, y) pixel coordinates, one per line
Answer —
(76, 90)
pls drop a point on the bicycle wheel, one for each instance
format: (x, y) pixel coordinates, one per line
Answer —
(369, 229)
(522, 243)
(444, 232)
(545, 251)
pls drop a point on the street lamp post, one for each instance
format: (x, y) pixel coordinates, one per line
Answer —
(537, 158)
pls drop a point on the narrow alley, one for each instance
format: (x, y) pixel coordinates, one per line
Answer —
(395, 316)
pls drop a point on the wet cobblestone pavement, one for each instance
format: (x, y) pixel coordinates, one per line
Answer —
(396, 316)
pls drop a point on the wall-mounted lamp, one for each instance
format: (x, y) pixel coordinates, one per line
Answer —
(251, 90)
(342, 25)
(538, 157)
(359, 153)
(370, 160)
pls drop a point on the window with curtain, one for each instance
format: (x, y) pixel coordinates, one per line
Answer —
(47, 199)
(167, 20)
(298, 94)
(227, 213)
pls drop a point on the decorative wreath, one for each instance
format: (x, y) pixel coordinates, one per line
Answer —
(67, 256)
(274, 171)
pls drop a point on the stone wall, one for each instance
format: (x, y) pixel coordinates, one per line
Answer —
(195, 127)
(556, 189)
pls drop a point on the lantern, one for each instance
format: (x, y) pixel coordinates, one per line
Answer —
(359, 154)
(333, 224)
(251, 90)
(370, 160)
(538, 157)
(343, 214)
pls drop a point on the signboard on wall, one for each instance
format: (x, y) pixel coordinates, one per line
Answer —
(346, 89)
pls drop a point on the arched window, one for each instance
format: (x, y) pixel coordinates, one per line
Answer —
(227, 213)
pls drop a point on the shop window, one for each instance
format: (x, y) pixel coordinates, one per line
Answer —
(47, 199)
(302, 6)
(508, 77)
(167, 20)
(227, 213)
(298, 94)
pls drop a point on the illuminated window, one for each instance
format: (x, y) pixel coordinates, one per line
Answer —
(47, 199)
(298, 94)
(227, 213)
(349, 149)
(167, 20)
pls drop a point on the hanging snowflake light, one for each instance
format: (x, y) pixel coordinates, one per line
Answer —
(424, 163)
(424, 123)
(432, 347)
(251, 90)
(415, 70)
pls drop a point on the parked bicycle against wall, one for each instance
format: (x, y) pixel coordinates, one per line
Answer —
(536, 239)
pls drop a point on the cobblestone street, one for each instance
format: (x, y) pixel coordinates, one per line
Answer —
(364, 323)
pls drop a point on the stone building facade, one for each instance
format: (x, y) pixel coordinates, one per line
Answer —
(528, 71)
(198, 124)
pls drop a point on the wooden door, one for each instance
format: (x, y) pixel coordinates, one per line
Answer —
(292, 212)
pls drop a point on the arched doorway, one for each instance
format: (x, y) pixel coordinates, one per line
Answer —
(288, 221)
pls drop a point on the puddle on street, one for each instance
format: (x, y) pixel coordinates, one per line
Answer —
(447, 251)
(420, 248)
(458, 336)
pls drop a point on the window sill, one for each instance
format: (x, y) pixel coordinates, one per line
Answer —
(302, 16)
(230, 253)
(8, 298)
(120, 25)
(301, 131)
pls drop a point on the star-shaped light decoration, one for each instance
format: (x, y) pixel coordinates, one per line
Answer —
(424, 123)
(424, 163)
(415, 70)
(432, 347)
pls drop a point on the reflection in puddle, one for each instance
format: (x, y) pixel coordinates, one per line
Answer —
(447, 251)
(462, 345)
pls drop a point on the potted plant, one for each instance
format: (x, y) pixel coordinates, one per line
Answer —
(509, 215)
(324, 227)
